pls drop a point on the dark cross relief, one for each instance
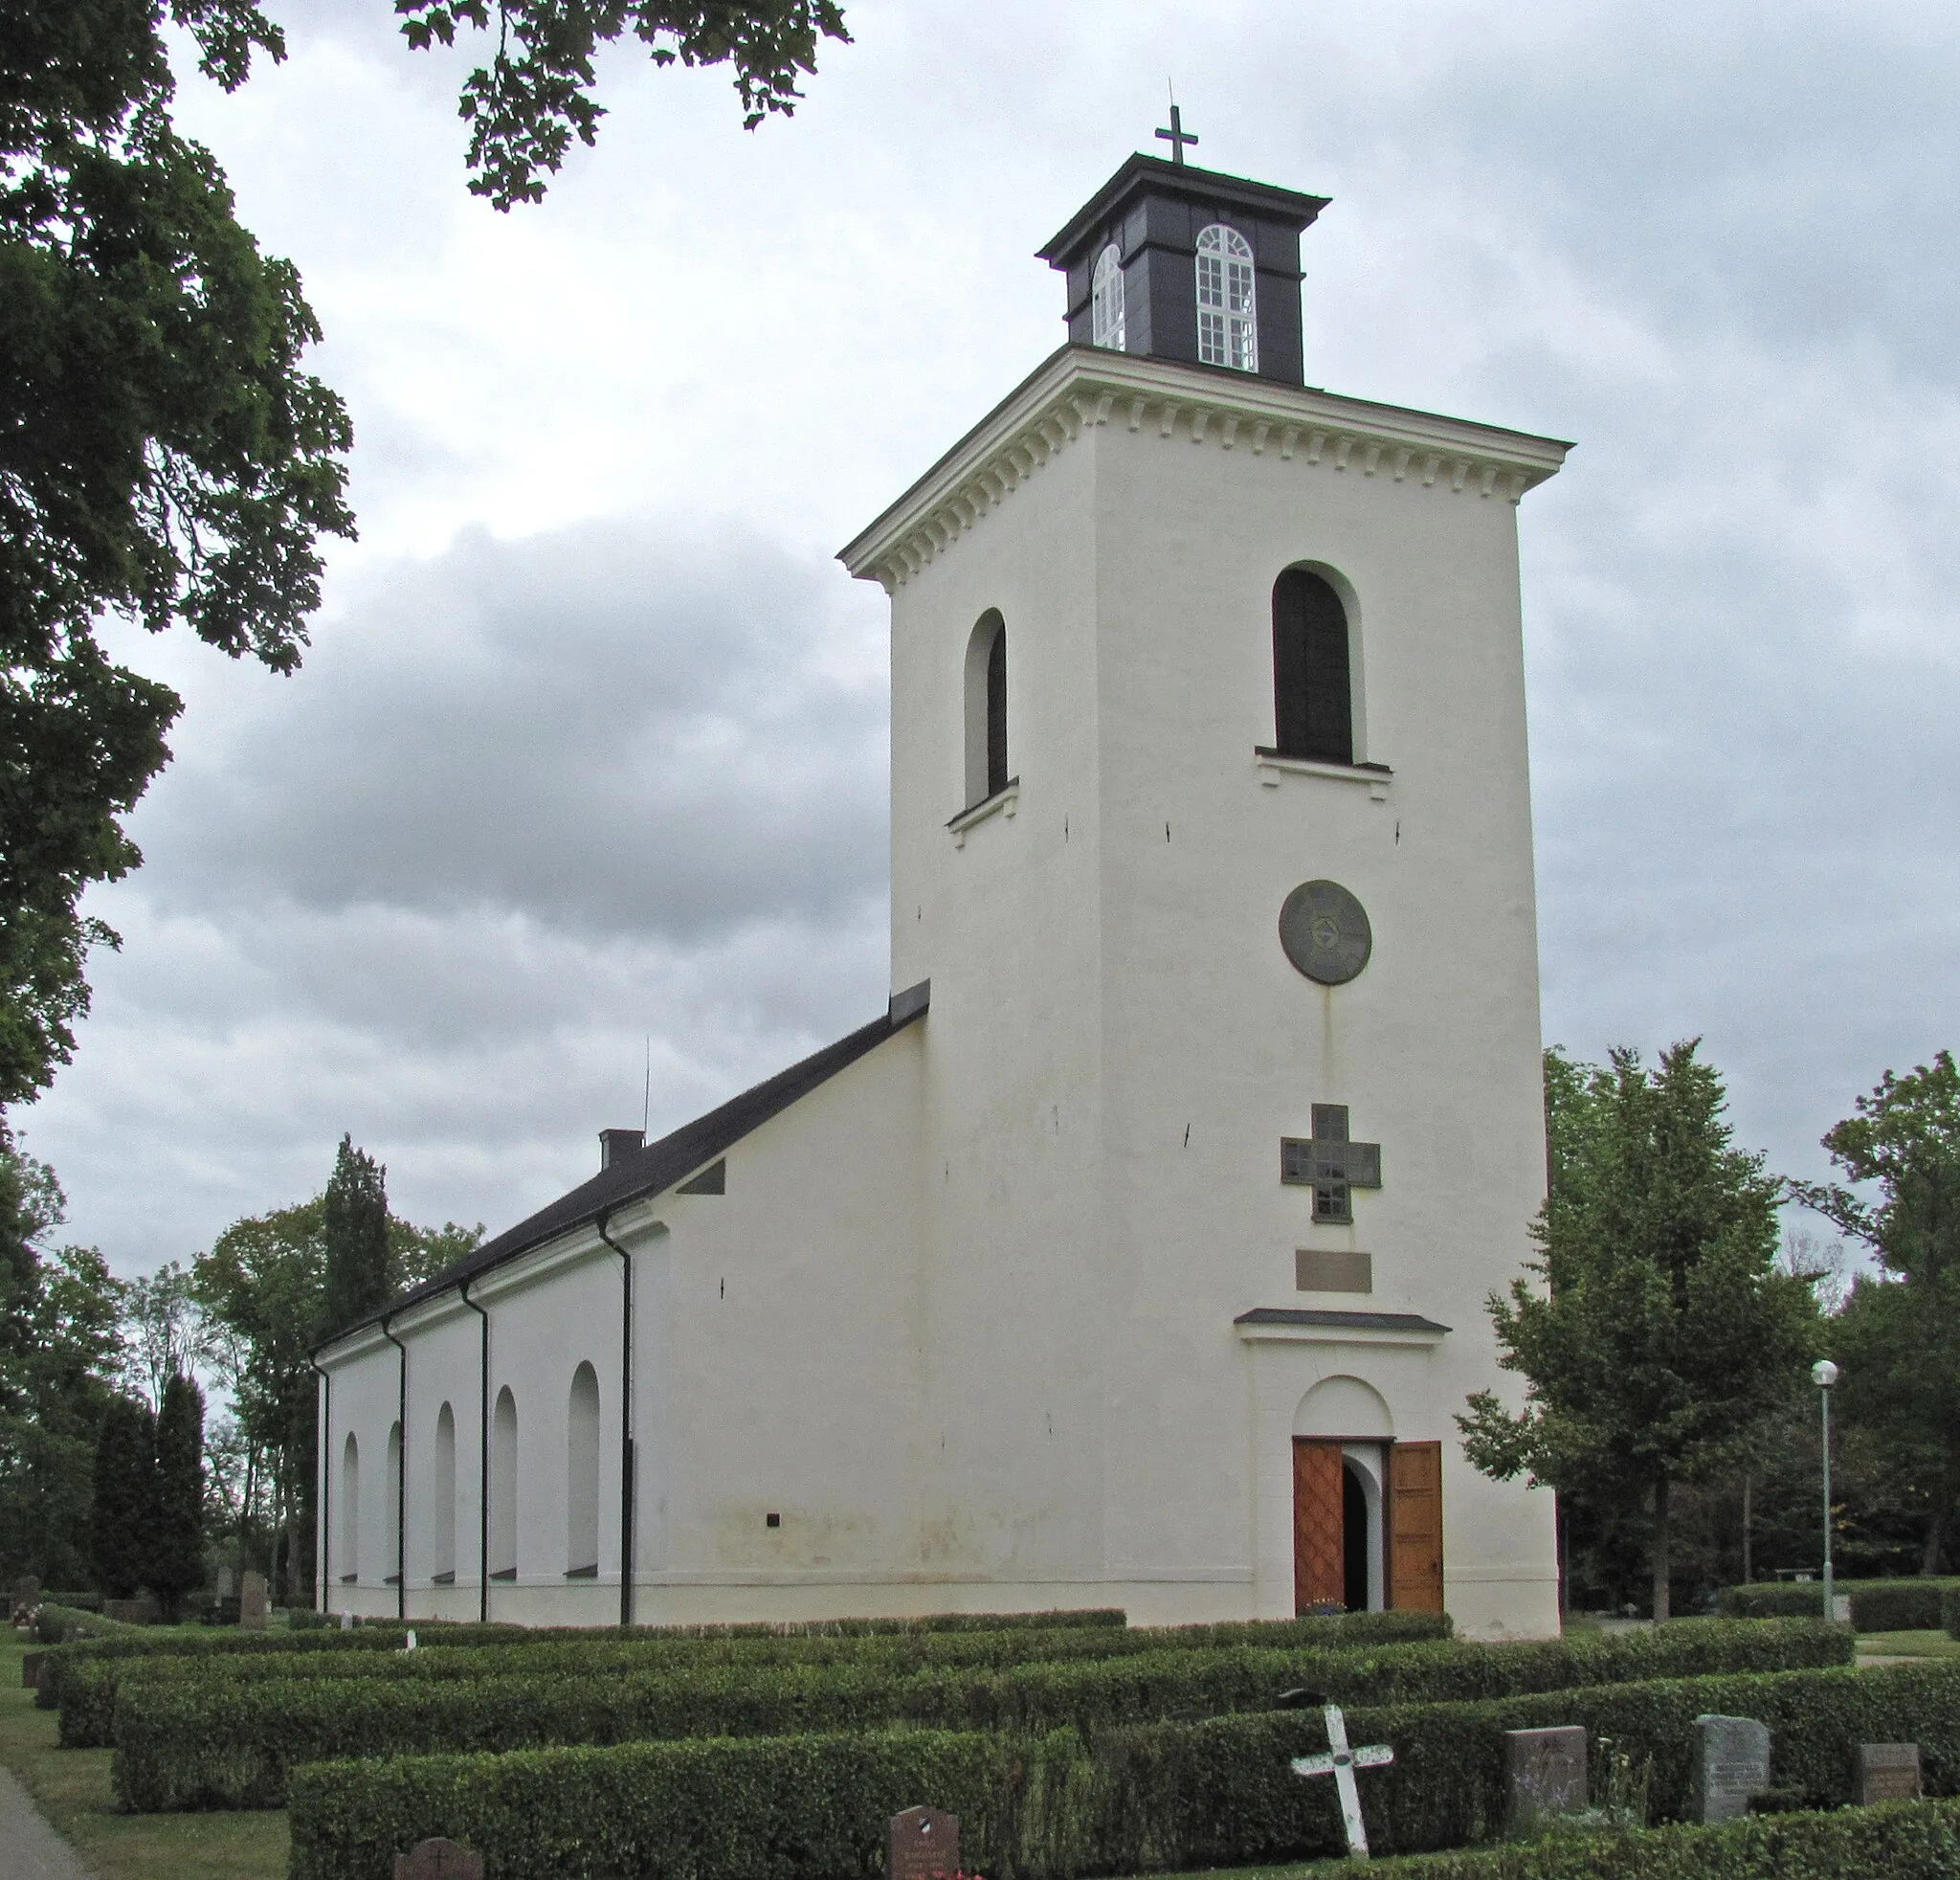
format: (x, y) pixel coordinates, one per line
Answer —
(1177, 137)
(1329, 1164)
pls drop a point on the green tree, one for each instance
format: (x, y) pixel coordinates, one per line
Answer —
(535, 96)
(58, 1352)
(1899, 1336)
(1664, 1332)
(359, 1269)
(162, 456)
(177, 1546)
(124, 1519)
(263, 1288)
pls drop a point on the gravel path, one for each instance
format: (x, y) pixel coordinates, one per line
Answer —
(30, 1849)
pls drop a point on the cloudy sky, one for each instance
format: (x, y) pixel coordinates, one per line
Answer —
(589, 751)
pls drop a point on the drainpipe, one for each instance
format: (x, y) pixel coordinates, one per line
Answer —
(401, 1476)
(325, 1448)
(484, 1454)
(626, 1444)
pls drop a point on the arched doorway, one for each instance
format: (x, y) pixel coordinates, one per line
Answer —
(1343, 1434)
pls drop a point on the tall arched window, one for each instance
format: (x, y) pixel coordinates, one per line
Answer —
(1105, 301)
(442, 1499)
(1313, 700)
(986, 709)
(350, 1511)
(504, 1487)
(582, 1474)
(391, 1515)
(1228, 320)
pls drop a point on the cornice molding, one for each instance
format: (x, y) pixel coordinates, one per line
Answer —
(1080, 388)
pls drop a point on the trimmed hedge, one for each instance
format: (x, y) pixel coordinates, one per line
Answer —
(228, 1744)
(1160, 1796)
(1222, 1793)
(1876, 1605)
(1898, 1839)
(57, 1624)
(86, 1694)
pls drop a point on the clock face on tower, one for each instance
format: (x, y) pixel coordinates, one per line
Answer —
(1324, 931)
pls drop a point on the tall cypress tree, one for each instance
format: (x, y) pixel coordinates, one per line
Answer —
(123, 1521)
(358, 1277)
(177, 1554)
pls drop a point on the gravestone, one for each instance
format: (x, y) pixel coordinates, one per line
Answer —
(439, 1859)
(30, 1670)
(27, 1594)
(1732, 1764)
(143, 1610)
(226, 1586)
(347, 1622)
(1545, 1775)
(1888, 1772)
(254, 1605)
(925, 1842)
(1341, 1762)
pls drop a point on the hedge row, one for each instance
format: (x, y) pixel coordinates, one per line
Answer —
(208, 1744)
(1160, 1796)
(1898, 1839)
(86, 1696)
(56, 1624)
(1876, 1605)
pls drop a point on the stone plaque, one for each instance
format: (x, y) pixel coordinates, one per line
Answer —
(1888, 1772)
(1317, 1269)
(1732, 1764)
(30, 1670)
(925, 1842)
(1545, 1775)
(254, 1605)
(1324, 931)
(439, 1859)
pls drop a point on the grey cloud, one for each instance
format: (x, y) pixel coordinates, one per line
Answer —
(615, 726)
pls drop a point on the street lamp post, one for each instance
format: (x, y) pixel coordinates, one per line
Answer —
(1823, 1374)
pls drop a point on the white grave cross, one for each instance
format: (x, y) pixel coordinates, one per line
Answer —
(1341, 1762)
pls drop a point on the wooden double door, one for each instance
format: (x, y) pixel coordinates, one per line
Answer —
(1326, 1507)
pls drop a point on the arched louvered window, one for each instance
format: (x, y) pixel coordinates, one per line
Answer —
(1313, 694)
(350, 1511)
(987, 771)
(582, 1474)
(504, 1487)
(442, 1500)
(1228, 319)
(1105, 301)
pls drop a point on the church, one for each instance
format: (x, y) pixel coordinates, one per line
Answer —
(1136, 1254)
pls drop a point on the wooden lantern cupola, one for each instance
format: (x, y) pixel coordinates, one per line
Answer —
(1174, 262)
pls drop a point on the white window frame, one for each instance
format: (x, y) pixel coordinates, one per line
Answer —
(1227, 295)
(1107, 326)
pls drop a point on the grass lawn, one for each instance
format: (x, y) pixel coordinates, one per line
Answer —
(1909, 1645)
(72, 1787)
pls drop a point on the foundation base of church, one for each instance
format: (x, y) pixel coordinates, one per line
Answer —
(1483, 1607)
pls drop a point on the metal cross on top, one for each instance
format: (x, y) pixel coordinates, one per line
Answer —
(1177, 137)
(1341, 1762)
(1329, 1164)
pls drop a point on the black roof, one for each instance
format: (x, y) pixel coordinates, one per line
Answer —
(1141, 173)
(661, 1165)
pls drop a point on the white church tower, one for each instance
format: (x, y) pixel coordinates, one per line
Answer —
(1139, 1255)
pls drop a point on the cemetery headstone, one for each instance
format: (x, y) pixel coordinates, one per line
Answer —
(1341, 1762)
(27, 1594)
(1840, 1608)
(227, 1583)
(347, 1622)
(437, 1859)
(143, 1610)
(30, 1670)
(255, 1604)
(1888, 1772)
(1732, 1764)
(924, 1843)
(1545, 1775)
